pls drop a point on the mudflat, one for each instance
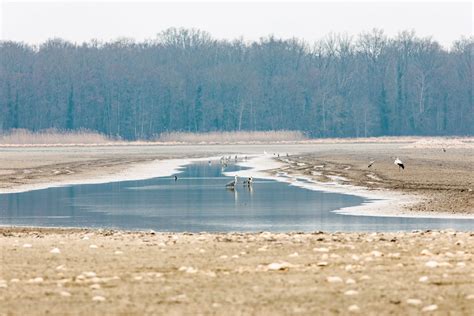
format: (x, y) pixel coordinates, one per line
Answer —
(440, 171)
(87, 272)
(82, 271)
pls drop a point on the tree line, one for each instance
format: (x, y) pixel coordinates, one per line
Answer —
(185, 80)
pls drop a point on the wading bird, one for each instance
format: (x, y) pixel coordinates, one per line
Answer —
(231, 184)
(399, 163)
(248, 182)
(175, 178)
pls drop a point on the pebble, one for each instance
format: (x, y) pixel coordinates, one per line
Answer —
(27, 246)
(293, 255)
(93, 246)
(98, 298)
(14, 280)
(423, 279)
(223, 257)
(354, 309)
(89, 274)
(61, 268)
(36, 280)
(55, 251)
(364, 277)
(334, 279)
(426, 252)
(430, 308)
(65, 294)
(118, 252)
(188, 269)
(350, 281)
(321, 249)
(470, 297)
(3, 285)
(322, 264)
(351, 293)
(278, 266)
(376, 253)
(461, 264)
(432, 264)
(413, 301)
(95, 286)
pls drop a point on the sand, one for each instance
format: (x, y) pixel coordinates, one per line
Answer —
(94, 272)
(85, 272)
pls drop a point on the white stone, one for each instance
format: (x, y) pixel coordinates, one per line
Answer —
(98, 298)
(351, 292)
(322, 264)
(321, 249)
(277, 266)
(423, 279)
(27, 246)
(376, 253)
(36, 280)
(413, 301)
(426, 252)
(334, 279)
(365, 277)
(432, 264)
(293, 255)
(430, 308)
(65, 294)
(350, 281)
(95, 286)
(89, 274)
(118, 252)
(55, 251)
(93, 246)
(354, 309)
(470, 297)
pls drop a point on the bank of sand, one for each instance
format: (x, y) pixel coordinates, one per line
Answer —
(82, 272)
(106, 272)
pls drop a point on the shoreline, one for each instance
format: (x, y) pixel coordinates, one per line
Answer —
(380, 202)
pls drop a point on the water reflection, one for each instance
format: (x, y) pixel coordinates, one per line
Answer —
(198, 200)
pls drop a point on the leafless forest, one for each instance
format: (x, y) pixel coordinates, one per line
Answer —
(186, 81)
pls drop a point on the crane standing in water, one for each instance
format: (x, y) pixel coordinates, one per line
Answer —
(231, 184)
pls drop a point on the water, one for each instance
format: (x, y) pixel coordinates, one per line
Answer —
(199, 201)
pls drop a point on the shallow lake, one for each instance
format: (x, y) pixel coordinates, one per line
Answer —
(198, 201)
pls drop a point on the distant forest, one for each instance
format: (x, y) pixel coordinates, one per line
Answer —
(185, 80)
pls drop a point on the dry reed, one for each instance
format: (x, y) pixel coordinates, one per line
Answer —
(233, 137)
(52, 137)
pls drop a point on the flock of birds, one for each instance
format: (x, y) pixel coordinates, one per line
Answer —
(225, 160)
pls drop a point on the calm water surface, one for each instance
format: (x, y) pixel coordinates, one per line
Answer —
(199, 201)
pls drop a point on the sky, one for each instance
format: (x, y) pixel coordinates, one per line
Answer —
(36, 21)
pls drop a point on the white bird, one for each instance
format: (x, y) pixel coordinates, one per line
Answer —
(399, 163)
(371, 163)
(232, 184)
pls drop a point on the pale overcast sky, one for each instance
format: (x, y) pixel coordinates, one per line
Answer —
(36, 21)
